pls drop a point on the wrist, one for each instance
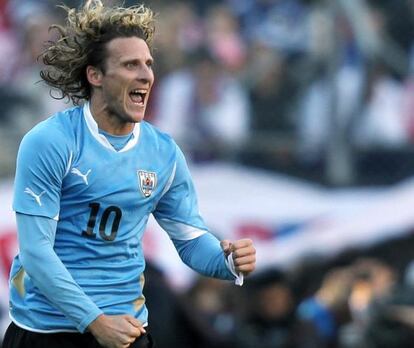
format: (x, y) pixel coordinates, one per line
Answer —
(96, 323)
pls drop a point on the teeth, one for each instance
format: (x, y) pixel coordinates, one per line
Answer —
(141, 91)
(138, 95)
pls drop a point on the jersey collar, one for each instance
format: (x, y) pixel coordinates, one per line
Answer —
(93, 127)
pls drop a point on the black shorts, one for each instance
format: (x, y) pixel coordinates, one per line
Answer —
(16, 337)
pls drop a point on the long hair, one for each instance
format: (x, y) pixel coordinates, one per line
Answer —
(82, 42)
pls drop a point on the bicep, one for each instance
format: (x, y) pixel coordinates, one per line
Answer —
(177, 211)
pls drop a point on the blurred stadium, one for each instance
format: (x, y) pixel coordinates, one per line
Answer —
(297, 119)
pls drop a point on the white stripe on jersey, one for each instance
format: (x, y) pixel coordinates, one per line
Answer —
(69, 164)
(180, 231)
(170, 180)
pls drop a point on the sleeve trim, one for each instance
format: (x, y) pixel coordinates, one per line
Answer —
(89, 319)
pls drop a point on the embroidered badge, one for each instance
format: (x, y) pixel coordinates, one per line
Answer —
(147, 182)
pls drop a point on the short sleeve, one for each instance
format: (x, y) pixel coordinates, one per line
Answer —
(43, 158)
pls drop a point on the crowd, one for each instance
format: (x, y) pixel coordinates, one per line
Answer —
(321, 89)
(303, 86)
(361, 299)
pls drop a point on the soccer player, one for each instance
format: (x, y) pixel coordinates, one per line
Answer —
(87, 180)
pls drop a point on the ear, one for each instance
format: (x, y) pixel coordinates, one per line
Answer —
(94, 76)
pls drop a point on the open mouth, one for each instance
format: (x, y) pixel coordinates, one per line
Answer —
(138, 96)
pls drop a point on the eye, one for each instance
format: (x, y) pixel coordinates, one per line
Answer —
(150, 63)
(130, 65)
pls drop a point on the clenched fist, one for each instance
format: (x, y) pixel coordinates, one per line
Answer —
(244, 254)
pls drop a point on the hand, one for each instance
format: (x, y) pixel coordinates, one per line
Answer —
(116, 331)
(244, 254)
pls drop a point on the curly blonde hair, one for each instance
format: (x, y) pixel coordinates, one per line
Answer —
(82, 42)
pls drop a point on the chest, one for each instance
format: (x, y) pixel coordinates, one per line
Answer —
(132, 180)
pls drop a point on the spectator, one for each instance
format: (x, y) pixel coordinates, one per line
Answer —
(213, 110)
(210, 313)
(270, 319)
(374, 282)
(327, 310)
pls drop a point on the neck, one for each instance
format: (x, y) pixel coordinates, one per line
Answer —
(106, 119)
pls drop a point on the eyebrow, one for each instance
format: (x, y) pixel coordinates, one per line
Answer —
(130, 60)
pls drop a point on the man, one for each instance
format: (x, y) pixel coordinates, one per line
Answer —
(87, 180)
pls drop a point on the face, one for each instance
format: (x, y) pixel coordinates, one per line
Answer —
(121, 92)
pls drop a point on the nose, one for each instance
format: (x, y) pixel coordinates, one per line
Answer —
(145, 74)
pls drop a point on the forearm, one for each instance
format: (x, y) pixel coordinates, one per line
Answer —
(204, 255)
(49, 274)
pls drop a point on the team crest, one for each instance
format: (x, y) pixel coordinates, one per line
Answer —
(147, 182)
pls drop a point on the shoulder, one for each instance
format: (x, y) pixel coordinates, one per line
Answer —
(53, 136)
(57, 129)
(168, 150)
(161, 141)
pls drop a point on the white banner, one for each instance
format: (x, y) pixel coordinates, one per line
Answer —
(288, 219)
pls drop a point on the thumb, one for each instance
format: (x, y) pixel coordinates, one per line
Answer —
(226, 246)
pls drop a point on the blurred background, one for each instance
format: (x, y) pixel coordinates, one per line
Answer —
(297, 120)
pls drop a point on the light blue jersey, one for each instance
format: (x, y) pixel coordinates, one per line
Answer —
(101, 199)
